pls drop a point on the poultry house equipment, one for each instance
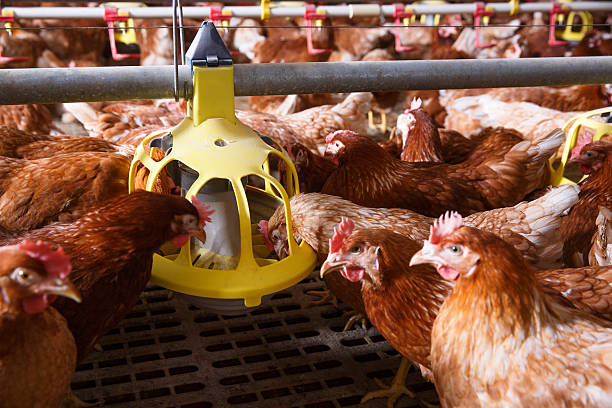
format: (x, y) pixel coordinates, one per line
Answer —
(580, 130)
(214, 157)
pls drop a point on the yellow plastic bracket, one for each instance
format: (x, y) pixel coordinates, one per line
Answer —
(514, 7)
(213, 94)
(586, 24)
(561, 17)
(487, 19)
(265, 9)
(407, 20)
(319, 22)
(8, 25)
(226, 12)
(575, 124)
(123, 34)
(437, 17)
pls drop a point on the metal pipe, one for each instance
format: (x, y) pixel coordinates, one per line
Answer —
(330, 10)
(53, 85)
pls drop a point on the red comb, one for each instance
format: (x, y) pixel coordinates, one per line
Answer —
(263, 230)
(330, 138)
(343, 230)
(445, 225)
(416, 103)
(56, 263)
(583, 140)
(204, 211)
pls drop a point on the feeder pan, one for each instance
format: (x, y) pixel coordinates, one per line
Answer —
(572, 128)
(226, 165)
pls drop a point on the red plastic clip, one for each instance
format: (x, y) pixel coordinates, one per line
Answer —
(557, 8)
(111, 16)
(481, 11)
(401, 16)
(219, 18)
(6, 60)
(310, 13)
(8, 18)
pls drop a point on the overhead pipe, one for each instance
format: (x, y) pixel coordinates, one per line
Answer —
(351, 10)
(54, 85)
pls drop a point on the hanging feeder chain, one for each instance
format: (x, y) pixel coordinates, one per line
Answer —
(353, 10)
(55, 85)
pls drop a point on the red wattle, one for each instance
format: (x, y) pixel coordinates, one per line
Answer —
(448, 273)
(352, 273)
(35, 304)
(180, 240)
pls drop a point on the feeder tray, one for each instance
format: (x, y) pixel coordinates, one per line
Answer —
(227, 165)
(572, 128)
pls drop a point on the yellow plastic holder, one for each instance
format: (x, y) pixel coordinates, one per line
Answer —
(265, 9)
(586, 24)
(436, 17)
(514, 7)
(8, 17)
(572, 128)
(216, 145)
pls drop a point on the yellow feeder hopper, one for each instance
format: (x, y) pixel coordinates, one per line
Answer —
(228, 166)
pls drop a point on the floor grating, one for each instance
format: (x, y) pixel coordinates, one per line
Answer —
(287, 353)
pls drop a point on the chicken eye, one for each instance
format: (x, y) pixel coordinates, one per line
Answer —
(356, 249)
(455, 249)
(21, 275)
(589, 154)
(275, 235)
(336, 144)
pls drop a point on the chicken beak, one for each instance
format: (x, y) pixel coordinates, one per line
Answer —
(59, 287)
(198, 233)
(332, 263)
(427, 255)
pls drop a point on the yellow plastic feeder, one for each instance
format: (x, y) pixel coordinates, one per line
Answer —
(571, 128)
(227, 165)
(571, 32)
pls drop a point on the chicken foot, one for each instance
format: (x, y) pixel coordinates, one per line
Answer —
(354, 317)
(397, 388)
(324, 295)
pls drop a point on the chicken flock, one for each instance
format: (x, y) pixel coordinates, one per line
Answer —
(440, 227)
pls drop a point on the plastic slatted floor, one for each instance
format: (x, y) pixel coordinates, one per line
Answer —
(287, 353)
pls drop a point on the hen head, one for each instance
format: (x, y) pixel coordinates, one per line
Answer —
(450, 27)
(406, 122)
(592, 156)
(275, 234)
(354, 253)
(34, 274)
(447, 249)
(188, 224)
(339, 142)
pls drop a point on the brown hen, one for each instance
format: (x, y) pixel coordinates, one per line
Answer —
(368, 176)
(498, 340)
(532, 227)
(111, 249)
(23, 145)
(34, 193)
(37, 351)
(28, 118)
(579, 226)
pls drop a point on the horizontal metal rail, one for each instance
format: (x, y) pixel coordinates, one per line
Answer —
(352, 10)
(53, 85)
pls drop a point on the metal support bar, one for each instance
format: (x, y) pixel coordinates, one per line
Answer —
(53, 85)
(330, 10)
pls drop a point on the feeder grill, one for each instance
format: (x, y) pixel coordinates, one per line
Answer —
(287, 353)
